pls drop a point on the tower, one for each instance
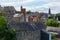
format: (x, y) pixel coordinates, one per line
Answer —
(21, 8)
(49, 11)
(23, 11)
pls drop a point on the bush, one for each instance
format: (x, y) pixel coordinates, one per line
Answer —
(52, 22)
(5, 32)
(53, 36)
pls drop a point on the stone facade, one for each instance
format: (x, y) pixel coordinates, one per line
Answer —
(9, 11)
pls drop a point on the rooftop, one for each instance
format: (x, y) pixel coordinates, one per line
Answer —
(28, 26)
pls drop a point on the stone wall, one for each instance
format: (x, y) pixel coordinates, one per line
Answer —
(28, 35)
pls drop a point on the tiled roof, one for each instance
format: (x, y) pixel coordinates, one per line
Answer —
(29, 26)
(39, 15)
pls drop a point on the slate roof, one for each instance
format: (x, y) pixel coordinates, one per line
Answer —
(29, 26)
(40, 15)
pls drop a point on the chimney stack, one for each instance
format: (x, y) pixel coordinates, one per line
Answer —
(30, 19)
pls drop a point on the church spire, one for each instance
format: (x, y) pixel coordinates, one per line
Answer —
(49, 11)
(21, 7)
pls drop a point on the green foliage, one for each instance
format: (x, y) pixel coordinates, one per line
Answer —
(10, 35)
(29, 12)
(5, 32)
(53, 36)
(58, 14)
(52, 22)
(52, 17)
(3, 23)
(59, 24)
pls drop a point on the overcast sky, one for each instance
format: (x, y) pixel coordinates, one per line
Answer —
(34, 5)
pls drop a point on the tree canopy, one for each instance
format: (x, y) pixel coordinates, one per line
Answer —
(53, 36)
(52, 22)
(5, 32)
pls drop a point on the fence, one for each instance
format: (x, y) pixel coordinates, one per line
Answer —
(45, 35)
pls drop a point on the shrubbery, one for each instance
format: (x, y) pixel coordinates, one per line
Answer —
(5, 32)
(53, 36)
(52, 22)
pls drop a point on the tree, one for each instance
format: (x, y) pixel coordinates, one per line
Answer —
(53, 36)
(58, 16)
(28, 12)
(52, 16)
(52, 22)
(5, 32)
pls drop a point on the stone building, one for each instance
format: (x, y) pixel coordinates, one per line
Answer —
(28, 30)
(20, 16)
(25, 30)
(9, 11)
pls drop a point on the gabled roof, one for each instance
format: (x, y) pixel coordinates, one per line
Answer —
(28, 26)
(40, 15)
